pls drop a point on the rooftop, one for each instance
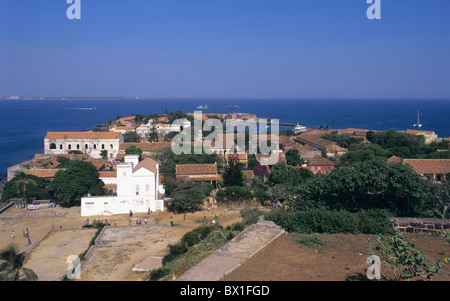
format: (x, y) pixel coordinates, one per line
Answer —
(82, 135)
(196, 169)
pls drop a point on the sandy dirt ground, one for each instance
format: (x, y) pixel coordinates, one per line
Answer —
(342, 258)
(130, 243)
(49, 259)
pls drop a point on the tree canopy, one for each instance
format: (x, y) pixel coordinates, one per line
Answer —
(368, 185)
(78, 180)
(188, 197)
(12, 188)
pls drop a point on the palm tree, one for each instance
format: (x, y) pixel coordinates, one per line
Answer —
(11, 269)
(22, 181)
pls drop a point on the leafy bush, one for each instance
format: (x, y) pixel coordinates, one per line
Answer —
(250, 215)
(405, 260)
(158, 273)
(326, 221)
(188, 240)
(234, 194)
(312, 241)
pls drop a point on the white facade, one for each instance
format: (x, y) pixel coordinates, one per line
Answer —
(144, 129)
(90, 143)
(137, 190)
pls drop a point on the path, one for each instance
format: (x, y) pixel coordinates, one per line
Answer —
(234, 253)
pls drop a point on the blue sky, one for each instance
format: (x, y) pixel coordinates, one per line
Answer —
(226, 48)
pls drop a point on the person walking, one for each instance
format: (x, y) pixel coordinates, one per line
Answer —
(12, 234)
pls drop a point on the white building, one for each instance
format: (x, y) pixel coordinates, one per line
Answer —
(144, 129)
(137, 190)
(89, 143)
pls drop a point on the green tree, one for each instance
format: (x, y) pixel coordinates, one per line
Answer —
(39, 191)
(188, 197)
(21, 183)
(131, 136)
(405, 260)
(134, 150)
(233, 175)
(78, 180)
(104, 154)
(370, 185)
(293, 158)
(11, 267)
(153, 135)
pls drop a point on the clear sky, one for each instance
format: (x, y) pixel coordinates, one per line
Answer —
(226, 48)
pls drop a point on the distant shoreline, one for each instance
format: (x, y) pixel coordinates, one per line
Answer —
(212, 98)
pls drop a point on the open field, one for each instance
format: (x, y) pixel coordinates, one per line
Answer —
(341, 258)
(130, 244)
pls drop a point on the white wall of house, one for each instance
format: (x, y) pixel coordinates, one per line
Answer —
(136, 191)
(91, 147)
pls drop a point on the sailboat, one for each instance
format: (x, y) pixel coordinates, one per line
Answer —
(418, 124)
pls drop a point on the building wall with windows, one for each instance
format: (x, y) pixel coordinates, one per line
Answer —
(137, 190)
(89, 143)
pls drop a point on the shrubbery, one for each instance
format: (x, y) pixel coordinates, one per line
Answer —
(327, 221)
(188, 240)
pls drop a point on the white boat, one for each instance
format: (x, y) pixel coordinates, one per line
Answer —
(299, 128)
(205, 107)
(418, 124)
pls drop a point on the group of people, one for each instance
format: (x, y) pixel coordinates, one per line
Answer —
(25, 234)
(138, 221)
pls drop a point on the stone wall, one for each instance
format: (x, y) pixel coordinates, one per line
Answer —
(421, 225)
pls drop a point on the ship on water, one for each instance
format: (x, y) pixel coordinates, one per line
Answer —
(418, 124)
(299, 128)
(233, 106)
(205, 107)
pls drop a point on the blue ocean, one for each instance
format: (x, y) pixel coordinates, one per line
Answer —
(24, 123)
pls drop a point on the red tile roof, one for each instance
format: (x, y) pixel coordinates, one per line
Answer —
(415, 132)
(429, 166)
(43, 173)
(147, 163)
(82, 135)
(196, 169)
(107, 174)
(319, 161)
(145, 146)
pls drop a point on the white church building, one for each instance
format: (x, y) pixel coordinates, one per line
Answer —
(137, 190)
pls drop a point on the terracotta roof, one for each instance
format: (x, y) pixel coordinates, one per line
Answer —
(107, 174)
(415, 132)
(394, 159)
(100, 163)
(429, 166)
(315, 139)
(147, 163)
(145, 146)
(124, 127)
(447, 139)
(319, 161)
(43, 173)
(110, 186)
(195, 169)
(82, 135)
(72, 156)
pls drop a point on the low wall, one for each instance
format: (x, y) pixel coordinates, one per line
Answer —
(421, 225)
